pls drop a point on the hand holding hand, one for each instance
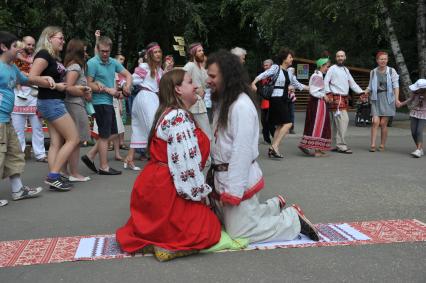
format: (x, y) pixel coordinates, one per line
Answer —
(100, 86)
(127, 89)
(112, 91)
(398, 104)
(50, 81)
(61, 87)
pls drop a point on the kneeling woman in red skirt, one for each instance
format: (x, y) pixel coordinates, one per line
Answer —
(168, 214)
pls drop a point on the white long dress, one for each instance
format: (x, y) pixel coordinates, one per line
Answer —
(145, 104)
(237, 203)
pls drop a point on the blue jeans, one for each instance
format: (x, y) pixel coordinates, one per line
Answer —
(51, 109)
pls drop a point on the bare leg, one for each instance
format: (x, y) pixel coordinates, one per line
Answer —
(280, 132)
(374, 125)
(64, 130)
(116, 143)
(73, 163)
(103, 152)
(384, 131)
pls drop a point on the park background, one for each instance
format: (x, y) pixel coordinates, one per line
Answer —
(308, 27)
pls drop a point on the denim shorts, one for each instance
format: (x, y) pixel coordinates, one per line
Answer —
(51, 109)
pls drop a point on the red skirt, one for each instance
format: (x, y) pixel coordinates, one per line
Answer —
(317, 132)
(160, 217)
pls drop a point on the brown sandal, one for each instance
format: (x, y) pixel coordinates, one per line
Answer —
(381, 148)
(372, 149)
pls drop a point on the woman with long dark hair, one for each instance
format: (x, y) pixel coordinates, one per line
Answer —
(168, 213)
(75, 101)
(279, 103)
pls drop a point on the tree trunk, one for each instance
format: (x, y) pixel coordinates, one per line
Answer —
(421, 36)
(396, 50)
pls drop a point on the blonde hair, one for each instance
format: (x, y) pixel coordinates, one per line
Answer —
(20, 44)
(44, 41)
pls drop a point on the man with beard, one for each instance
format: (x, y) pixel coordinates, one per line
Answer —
(337, 82)
(235, 174)
(25, 105)
(198, 74)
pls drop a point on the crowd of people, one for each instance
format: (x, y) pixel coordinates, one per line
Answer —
(201, 183)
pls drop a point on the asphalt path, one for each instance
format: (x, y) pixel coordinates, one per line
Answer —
(358, 187)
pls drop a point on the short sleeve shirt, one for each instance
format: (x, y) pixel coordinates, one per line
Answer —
(80, 81)
(105, 74)
(54, 69)
(9, 77)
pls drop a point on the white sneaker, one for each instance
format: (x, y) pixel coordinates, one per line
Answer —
(3, 202)
(417, 153)
(26, 192)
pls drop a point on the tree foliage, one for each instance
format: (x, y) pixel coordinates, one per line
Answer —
(260, 26)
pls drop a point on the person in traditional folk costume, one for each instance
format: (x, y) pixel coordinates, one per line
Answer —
(168, 212)
(146, 78)
(195, 68)
(317, 133)
(337, 82)
(25, 107)
(235, 174)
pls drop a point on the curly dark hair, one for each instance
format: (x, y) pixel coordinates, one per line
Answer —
(235, 81)
(283, 54)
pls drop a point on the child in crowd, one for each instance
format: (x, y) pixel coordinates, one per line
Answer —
(417, 105)
(12, 160)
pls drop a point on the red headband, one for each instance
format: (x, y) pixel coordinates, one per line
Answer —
(193, 50)
(380, 53)
(153, 48)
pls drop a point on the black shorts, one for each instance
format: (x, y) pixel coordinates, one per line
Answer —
(105, 119)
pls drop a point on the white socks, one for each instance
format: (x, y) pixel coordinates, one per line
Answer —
(16, 183)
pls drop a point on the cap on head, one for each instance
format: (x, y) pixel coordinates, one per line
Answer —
(420, 84)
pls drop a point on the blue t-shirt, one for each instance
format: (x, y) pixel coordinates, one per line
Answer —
(105, 74)
(9, 76)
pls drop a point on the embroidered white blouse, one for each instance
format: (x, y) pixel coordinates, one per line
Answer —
(338, 80)
(142, 77)
(183, 155)
(237, 145)
(280, 80)
(316, 85)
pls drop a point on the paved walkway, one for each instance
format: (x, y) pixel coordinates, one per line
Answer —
(362, 186)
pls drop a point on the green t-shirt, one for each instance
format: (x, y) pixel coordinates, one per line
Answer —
(105, 74)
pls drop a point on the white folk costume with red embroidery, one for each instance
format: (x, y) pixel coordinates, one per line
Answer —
(25, 109)
(199, 109)
(317, 132)
(236, 200)
(145, 104)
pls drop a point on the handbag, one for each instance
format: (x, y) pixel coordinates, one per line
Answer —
(267, 89)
